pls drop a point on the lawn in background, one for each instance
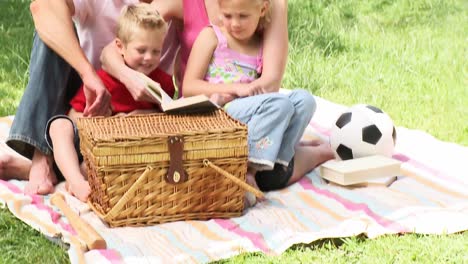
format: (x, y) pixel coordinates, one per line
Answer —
(407, 57)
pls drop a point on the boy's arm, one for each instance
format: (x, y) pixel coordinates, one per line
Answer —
(197, 66)
(53, 22)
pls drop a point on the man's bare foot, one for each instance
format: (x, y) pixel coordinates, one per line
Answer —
(42, 177)
(12, 164)
(308, 158)
(80, 189)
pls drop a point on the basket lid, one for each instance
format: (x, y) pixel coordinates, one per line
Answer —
(143, 139)
(136, 127)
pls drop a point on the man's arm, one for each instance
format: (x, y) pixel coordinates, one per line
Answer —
(53, 22)
(169, 10)
(275, 48)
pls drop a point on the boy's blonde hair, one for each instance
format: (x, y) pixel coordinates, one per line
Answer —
(141, 15)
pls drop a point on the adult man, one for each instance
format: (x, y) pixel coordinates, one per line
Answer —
(66, 49)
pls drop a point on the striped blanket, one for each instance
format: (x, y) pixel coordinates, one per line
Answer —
(433, 200)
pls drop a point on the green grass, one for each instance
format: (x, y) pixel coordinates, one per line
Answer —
(21, 244)
(15, 44)
(407, 57)
(411, 248)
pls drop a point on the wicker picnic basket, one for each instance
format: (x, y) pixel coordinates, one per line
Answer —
(150, 169)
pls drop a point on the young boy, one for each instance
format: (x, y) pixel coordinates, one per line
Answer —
(140, 36)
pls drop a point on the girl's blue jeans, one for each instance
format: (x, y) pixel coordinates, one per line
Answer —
(276, 123)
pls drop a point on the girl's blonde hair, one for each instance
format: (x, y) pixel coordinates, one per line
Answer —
(266, 19)
(141, 15)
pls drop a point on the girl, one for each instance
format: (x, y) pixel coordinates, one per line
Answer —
(222, 60)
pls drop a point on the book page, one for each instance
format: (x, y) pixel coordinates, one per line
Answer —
(199, 103)
(155, 90)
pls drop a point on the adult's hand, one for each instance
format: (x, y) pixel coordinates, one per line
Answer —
(97, 96)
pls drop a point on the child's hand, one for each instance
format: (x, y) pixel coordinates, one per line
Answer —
(250, 89)
(137, 86)
(222, 99)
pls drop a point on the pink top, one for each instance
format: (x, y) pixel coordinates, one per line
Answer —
(195, 19)
(230, 66)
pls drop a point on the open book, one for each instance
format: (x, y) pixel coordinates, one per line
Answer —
(372, 170)
(199, 103)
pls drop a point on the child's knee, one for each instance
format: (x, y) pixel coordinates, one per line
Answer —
(283, 107)
(61, 127)
(304, 101)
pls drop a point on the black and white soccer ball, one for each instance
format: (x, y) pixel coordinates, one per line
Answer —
(362, 130)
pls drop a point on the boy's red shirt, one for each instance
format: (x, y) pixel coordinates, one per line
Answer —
(121, 99)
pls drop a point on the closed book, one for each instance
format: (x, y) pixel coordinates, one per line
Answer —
(371, 169)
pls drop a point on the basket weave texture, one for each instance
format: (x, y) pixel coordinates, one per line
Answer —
(128, 161)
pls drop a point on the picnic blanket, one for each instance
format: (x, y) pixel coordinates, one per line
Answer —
(433, 200)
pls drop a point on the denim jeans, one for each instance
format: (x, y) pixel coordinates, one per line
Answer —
(52, 83)
(276, 123)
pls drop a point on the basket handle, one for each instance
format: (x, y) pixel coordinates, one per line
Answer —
(242, 184)
(127, 196)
